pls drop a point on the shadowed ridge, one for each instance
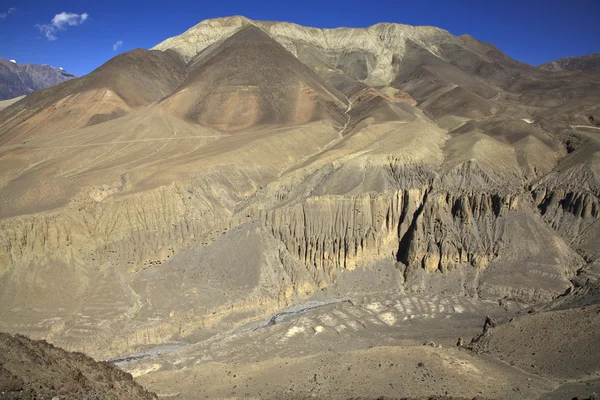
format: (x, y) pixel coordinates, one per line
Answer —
(248, 80)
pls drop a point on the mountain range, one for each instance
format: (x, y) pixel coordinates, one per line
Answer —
(21, 79)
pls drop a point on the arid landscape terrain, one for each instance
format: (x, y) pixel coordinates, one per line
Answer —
(265, 210)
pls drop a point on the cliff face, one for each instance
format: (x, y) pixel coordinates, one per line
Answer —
(155, 267)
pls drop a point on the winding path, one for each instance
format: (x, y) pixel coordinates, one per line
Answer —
(585, 126)
(347, 115)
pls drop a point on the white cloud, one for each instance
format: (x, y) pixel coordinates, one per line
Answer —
(71, 19)
(6, 14)
(48, 30)
(117, 45)
(13, 61)
(60, 23)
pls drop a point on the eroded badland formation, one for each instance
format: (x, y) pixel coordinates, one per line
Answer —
(264, 210)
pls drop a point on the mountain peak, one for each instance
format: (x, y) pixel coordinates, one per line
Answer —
(250, 79)
(383, 41)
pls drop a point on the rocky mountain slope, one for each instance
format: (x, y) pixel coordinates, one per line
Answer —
(37, 370)
(21, 79)
(588, 63)
(244, 167)
(127, 82)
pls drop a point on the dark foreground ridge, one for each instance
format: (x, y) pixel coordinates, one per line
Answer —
(35, 369)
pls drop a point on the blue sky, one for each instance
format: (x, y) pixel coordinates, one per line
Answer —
(528, 30)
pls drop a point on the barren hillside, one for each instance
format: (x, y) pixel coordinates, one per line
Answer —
(380, 187)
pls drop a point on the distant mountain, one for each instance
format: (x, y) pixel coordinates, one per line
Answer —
(589, 63)
(21, 79)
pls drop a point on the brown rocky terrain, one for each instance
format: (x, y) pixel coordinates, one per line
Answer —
(587, 63)
(38, 370)
(556, 341)
(356, 191)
